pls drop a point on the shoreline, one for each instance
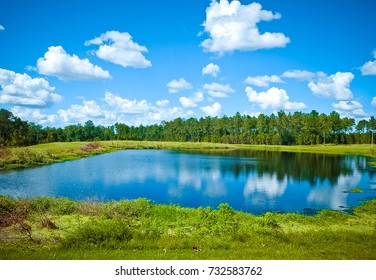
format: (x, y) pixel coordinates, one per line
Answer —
(44, 154)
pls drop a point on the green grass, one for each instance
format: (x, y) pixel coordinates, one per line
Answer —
(48, 228)
(15, 158)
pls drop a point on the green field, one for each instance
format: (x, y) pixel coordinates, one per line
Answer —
(13, 158)
(48, 228)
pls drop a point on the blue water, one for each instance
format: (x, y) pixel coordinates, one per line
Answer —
(254, 182)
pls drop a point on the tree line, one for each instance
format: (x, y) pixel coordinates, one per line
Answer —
(277, 129)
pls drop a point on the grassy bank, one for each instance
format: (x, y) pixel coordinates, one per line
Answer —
(13, 158)
(47, 228)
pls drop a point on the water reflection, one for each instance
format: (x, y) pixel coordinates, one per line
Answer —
(251, 181)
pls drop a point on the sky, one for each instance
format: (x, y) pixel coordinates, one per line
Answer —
(144, 62)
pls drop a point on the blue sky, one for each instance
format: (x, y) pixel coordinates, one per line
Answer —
(142, 62)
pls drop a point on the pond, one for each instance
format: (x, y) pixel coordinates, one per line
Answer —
(250, 181)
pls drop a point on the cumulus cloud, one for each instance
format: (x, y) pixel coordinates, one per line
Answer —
(56, 62)
(80, 113)
(350, 108)
(218, 90)
(299, 75)
(211, 69)
(273, 98)
(347, 105)
(369, 68)
(233, 26)
(163, 103)
(35, 115)
(126, 106)
(263, 81)
(175, 86)
(213, 110)
(23, 90)
(191, 101)
(1, 28)
(335, 86)
(119, 48)
(144, 111)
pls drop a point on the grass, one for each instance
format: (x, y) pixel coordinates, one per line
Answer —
(58, 228)
(15, 158)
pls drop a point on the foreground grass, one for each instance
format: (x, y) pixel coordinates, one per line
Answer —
(14, 158)
(47, 228)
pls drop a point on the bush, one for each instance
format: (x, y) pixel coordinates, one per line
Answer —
(109, 233)
(7, 204)
(59, 206)
(332, 215)
(128, 208)
(268, 220)
(12, 211)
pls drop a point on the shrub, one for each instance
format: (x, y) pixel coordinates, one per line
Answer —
(268, 220)
(332, 215)
(108, 233)
(226, 209)
(60, 206)
(128, 208)
(7, 204)
(12, 212)
(64, 206)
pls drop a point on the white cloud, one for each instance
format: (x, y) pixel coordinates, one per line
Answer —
(299, 75)
(373, 102)
(191, 101)
(218, 90)
(350, 109)
(35, 115)
(163, 103)
(233, 26)
(294, 106)
(335, 86)
(273, 98)
(81, 113)
(23, 90)
(263, 81)
(187, 102)
(175, 86)
(126, 106)
(120, 49)
(56, 62)
(211, 69)
(1, 28)
(143, 111)
(252, 114)
(369, 68)
(157, 115)
(213, 110)
(108, 111)
(347, 105)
